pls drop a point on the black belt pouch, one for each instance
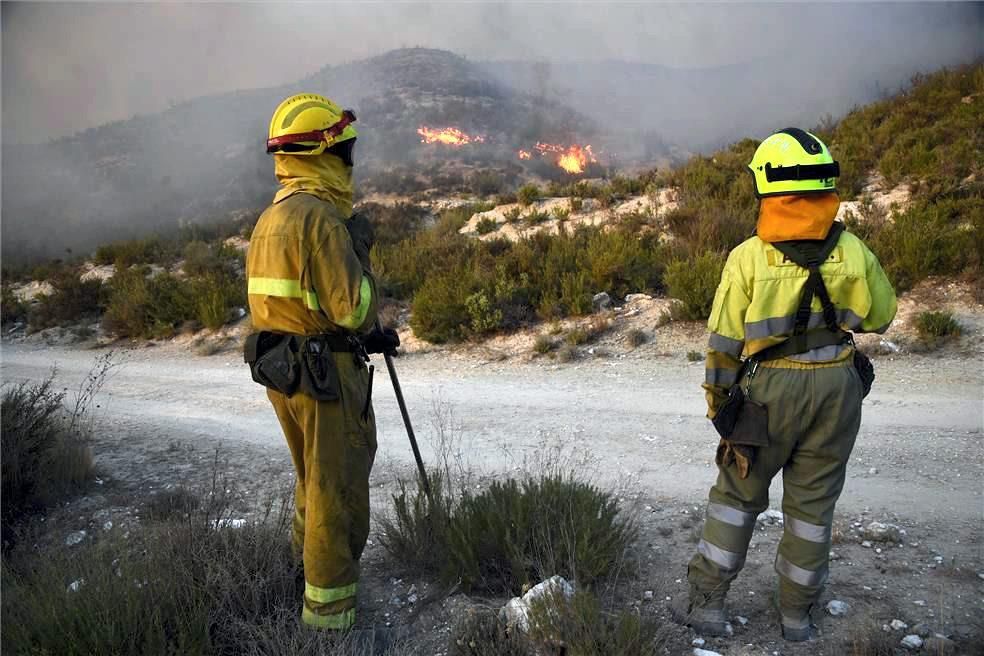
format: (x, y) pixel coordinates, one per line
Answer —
(273, 361)
(741, 420)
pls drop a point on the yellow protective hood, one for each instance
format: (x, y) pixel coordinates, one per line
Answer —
(324, 176)
(796, 216)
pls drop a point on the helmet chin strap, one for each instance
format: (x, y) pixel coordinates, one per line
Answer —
(327, 135)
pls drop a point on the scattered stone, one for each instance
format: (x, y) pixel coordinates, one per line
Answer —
(873, 471)
(601, 301)
(632, 298)
(770, 516)
(919, 602)
(74, 538)
(76, 585)
(940, 645)
(834, 555)
(912, 642)
(837, 608)
(108, 525)
(698, 642)
(922, 630)
(648, 595)
(516, 612)
(741, 620)
(866, 544)
(412, 599)
(396, 601)
(880, 532)
(898, 625)
(229, 523)
(705, 652)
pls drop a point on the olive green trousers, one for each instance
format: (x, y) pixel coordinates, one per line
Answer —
(332, 444)
(814, 415)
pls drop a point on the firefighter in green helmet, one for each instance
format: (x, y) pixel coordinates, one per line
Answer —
(784, 382)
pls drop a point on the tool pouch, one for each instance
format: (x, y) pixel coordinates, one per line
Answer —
(741, 420)
(273, 361)
(319, 374)
(291, 363)
(865, 370)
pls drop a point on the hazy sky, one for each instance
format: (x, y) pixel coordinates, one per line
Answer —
(71, 66)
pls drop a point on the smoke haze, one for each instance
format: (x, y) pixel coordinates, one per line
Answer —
(71, 66)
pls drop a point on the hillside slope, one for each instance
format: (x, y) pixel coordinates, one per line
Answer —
(202, 159)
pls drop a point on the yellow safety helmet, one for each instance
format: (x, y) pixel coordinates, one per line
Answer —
(793, 161)
(309, 124)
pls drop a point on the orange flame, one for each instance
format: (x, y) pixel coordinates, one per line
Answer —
(447, 136)
(572, 159)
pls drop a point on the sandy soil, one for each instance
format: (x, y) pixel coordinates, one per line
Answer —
(631, 420)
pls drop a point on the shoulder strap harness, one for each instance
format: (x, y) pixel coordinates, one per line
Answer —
(810, 255)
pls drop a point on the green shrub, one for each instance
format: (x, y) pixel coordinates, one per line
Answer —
(485, 318)
(439, 312)
(72, 300)
(577, 336)
(12, 309)
(125, 254)
(536, 218)
(934, 327)
(695, 356)
(567, 353)
(693, 283)
(483, 632)
(486, 225)
(215, 295)
(513, 215)
(585, 628)
(576, 204)
(46, 455)
(528, 194)
(486, 183)
(518, 533)
(543, 344)
(636, 337)
(193, 585)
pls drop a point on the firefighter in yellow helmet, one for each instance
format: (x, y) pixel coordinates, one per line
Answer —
(312, 298)
(788, 301)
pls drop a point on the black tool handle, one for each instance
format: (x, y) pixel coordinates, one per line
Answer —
(406, 421)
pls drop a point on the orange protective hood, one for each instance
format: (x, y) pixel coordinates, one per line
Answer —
(800, 216)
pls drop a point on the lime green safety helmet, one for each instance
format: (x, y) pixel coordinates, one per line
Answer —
(309, 124)
(793, 161)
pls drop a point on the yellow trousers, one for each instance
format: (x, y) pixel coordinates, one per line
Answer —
(332, 444)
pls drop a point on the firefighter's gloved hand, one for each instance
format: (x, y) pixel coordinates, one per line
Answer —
(384, 340)
(363, 237)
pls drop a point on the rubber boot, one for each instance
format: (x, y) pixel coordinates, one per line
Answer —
(796, 625)
(703, 613)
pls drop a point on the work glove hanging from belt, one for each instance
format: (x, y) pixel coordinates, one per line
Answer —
(363, 237)
(381, 340)
(741, 455)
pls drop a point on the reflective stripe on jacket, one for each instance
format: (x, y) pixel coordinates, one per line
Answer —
(303, 275)
(759, 293)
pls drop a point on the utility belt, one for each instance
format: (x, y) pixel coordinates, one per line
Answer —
(289, 363)
(742, 421)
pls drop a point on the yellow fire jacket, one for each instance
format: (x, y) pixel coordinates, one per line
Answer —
(759, 293)
(303, 275)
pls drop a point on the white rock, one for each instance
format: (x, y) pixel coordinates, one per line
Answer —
(873, 471)
(891, 346)
(705, 652)
(866, 544)
(919, 602)
(108, 525)
(770, 515)
(698, 642)
(881, 532)
(648, 595)
(76, 585)
(74, 538)
(516, 612)
(633, 298)
(741, 620)
(229, 523)
(601, 301)
(912, 642)
(837, 608)
(898, 625)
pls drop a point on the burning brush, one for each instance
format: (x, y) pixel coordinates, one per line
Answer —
(447, 136)
(573, 159)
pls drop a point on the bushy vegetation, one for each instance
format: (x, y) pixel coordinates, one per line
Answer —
(514, 533)
(46, 453)
(580, 626)
(693, 283)
(71, 300)
(191, 585)
(935, 327)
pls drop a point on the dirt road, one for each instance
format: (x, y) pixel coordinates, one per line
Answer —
(636, 422)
